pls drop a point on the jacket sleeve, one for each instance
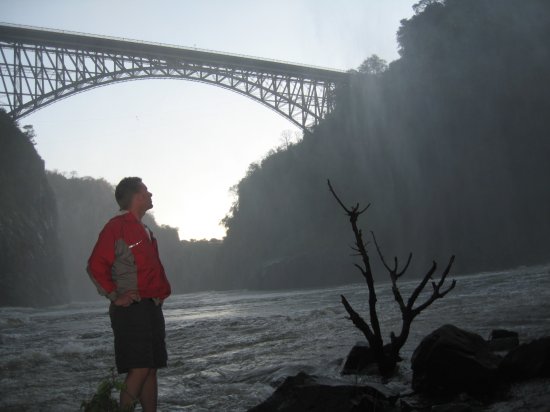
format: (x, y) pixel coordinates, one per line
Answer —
(101, 262)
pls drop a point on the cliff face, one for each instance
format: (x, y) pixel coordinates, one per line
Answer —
(450, 144)
(31, 266)
(86, 204)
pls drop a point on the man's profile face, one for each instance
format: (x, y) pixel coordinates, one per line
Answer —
(144, 198)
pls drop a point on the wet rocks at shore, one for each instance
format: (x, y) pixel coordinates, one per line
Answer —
(452, 360)
(527, 361)
(304, 392)
(454, 370)
(503, 340)
(361, 360)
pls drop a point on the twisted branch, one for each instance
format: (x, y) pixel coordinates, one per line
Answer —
(353, 214)
(408, 310)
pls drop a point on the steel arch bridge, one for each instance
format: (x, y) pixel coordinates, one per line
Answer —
(41, 66)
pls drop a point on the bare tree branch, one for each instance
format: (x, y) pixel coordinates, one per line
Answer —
(387, 360)
(366, 270)
(348, 211)
(406, 266)
(435, 295)
(421, 286)
(380, 252)
(357, 320)
(363, 210)
(446, 272)
(360, 268)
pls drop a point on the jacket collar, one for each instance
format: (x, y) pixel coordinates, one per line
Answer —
(126, 215)
(129, 217)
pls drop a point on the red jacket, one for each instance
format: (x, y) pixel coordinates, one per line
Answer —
(126, 258)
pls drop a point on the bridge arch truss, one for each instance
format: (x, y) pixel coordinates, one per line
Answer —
(39, 67)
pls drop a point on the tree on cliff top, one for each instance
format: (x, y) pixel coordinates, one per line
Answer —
(373, 65)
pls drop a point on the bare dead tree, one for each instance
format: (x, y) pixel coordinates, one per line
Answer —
(387, 356)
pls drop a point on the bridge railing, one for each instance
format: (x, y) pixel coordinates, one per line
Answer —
(41, 66)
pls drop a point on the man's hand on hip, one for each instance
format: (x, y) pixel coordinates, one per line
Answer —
(127, 298)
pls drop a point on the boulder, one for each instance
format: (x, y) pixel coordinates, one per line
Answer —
(454, 403)
(529, 360)
(309, 393)
(358, 359)
(502, 340)
(452, 407)
(361, 360)
(503, 344)
(502, 334)
(452, 360)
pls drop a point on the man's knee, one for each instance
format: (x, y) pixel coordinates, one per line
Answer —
(139, 372)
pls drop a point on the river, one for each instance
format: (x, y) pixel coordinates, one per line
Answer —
(227, 350)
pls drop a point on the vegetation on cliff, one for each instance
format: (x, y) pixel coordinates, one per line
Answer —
(31, 267)
(449, 142)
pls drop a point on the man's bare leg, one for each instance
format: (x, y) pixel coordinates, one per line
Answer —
(149, 392)
(135, 380)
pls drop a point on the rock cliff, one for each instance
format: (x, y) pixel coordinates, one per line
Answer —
(31, 266)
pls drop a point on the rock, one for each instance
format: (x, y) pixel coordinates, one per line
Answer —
(503, 340)
(452, 360)
(452, 407)
(308, 393)
(527, 361)
(361, 360)
(454, 403)
(358, 359)
(416, 403)
(529, 396)
(503, 344)
(537, 404)
(502, 334)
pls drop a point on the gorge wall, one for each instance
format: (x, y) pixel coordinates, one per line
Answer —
(31, 265)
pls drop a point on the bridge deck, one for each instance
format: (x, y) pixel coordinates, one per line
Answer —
(80, 41)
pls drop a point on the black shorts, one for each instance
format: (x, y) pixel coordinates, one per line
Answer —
(139, 335)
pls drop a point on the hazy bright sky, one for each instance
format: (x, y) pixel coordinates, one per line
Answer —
(191, 142)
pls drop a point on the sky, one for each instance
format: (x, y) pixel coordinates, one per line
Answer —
(191, 142)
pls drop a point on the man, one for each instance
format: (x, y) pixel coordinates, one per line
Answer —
(126, 268)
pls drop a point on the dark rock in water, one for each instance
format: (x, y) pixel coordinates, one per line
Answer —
(527, 361)
(452, 360)
(361, 360)
(358, 359)
(414, 404)
(503, 340)
(538, 404)
(503, 344)
(452, 407)
(446, 403)
(532, 395)
(503, 333)
(308, 393)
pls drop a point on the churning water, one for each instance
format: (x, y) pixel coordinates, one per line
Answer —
(228, 349)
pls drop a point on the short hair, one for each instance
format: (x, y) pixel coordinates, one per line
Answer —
(125, 191)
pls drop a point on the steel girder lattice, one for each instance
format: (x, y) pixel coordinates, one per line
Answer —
(34, 75)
